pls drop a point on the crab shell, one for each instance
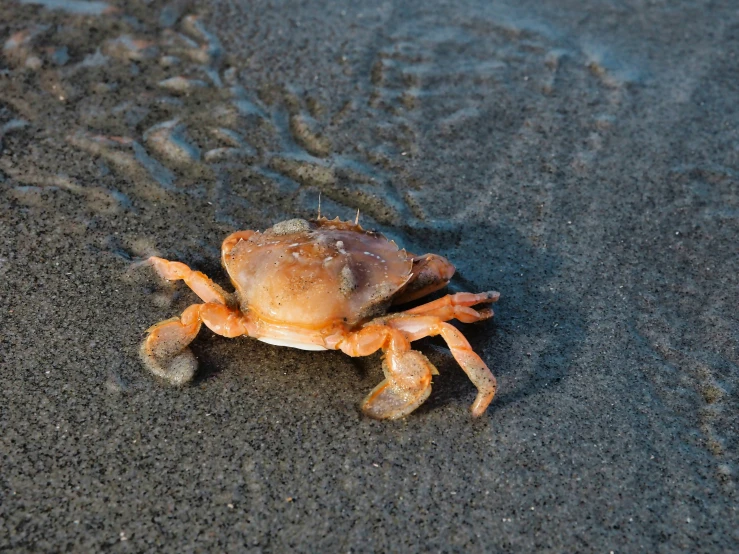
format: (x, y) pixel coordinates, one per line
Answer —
(321, 276)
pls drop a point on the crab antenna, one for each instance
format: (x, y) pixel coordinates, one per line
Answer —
(319, 204)
(356, 220)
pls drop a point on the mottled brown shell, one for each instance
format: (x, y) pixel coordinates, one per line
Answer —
(314, 274)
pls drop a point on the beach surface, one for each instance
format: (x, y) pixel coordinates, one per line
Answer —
(582, 158)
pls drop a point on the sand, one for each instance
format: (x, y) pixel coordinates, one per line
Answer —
(582, 158)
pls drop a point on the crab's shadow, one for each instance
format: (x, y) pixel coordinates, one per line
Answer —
(536, 333)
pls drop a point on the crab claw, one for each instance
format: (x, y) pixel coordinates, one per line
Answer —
(166, 354)
(407, 386)
(177, 370)
(388, 402)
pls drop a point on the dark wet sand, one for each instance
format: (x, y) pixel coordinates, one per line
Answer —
(581, 158)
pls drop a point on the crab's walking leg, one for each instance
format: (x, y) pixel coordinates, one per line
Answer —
(165, 350)
(457, 306)
(417, 327)
(206, 289)
(407, 382)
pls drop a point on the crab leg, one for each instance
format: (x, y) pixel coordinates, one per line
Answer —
(206, 289)
(457, 306)
(416, 327)
(165, 350)
(407, 382)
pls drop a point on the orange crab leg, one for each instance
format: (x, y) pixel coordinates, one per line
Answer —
(407, 382)
(416, 327)
(165, 350)
(457, 306)
(206, 289)
(370, 339)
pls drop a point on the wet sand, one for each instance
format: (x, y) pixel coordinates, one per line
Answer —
(582, 159)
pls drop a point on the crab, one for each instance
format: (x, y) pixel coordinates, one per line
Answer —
(327, 285)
